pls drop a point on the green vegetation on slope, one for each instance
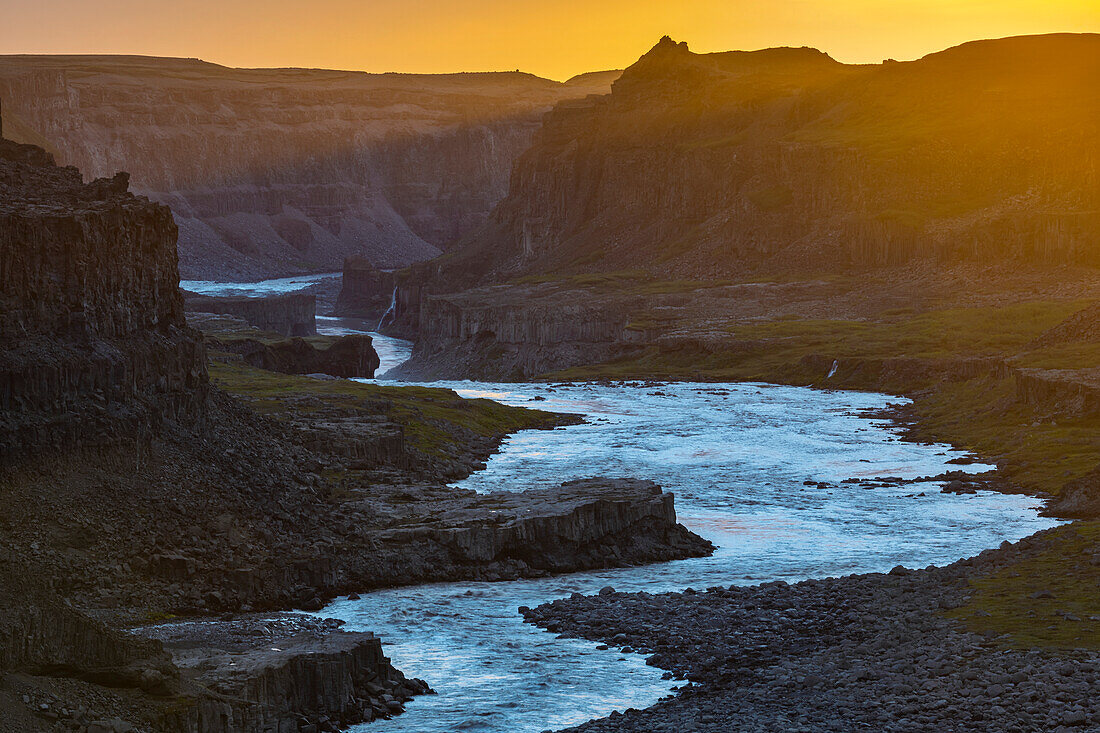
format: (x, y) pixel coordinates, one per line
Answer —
(1031, 450)
(432, 418)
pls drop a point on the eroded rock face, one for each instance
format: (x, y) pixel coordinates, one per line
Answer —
(273, 172)
(292, 670)
(365, 291)
(292, 314)
(784, 160)
(348, 356)
(93, 343)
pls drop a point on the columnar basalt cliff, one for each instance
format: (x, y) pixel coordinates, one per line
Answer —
(279, 171)
(290, 314)
(93, 343)
(365, 291)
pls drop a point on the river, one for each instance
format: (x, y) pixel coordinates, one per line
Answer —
(757, 469)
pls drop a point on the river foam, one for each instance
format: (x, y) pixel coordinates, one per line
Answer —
(738, 457)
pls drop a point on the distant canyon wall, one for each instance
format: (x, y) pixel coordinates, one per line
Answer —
(272, 172)
(784, 160)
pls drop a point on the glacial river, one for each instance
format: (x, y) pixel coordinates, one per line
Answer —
(737, 457)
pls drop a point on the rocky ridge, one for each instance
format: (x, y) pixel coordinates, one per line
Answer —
(782, 160)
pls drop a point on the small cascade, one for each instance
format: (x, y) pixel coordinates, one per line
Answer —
(832, 370)
(390, 310)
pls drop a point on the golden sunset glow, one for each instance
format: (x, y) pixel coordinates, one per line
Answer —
(553, 38)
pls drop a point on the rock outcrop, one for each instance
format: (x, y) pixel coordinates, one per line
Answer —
(347, 356)
(280, 171)
(291, 314)
(365, 291)
(513, 332)
(94, 348)
(283, 673)
(1063, 393)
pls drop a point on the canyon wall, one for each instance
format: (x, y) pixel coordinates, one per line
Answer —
(93, 343)
(290, 314)
(784, 160)
(771, 166)
(365, 291)
(280, 171)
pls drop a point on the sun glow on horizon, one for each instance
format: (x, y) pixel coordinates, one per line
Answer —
(553, 38)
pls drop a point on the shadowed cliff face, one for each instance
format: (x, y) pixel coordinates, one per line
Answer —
(94, 348)
(784, 160)
(271, 172)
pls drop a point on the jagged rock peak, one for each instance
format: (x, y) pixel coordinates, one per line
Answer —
(666, 45)
(671, 65)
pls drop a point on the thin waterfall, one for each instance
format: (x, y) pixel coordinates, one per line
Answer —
(391, 309)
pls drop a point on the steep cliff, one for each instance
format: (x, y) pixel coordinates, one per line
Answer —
(290, 314)
(365, 291)
(94, 348)
(783, 160)
(279, 171)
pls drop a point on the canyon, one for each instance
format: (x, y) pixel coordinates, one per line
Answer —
(923, 228)
(273, 172)
(130, 479)
(762, 170)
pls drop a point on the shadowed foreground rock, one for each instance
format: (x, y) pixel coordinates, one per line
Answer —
(294, 672)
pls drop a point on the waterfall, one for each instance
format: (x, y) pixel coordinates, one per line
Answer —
(391, 309)
(832, 371)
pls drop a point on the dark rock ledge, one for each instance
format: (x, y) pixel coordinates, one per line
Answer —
(284, 672)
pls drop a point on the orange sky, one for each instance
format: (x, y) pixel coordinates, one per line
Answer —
(554, 38)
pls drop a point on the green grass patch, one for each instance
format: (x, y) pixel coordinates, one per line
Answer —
(941, 333)
(1049, 600)
(983, 416)
(626, 282)
(434, 420)
(1081, 355)
(773, 350)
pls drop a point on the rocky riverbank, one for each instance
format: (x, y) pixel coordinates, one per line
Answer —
(884, 652)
